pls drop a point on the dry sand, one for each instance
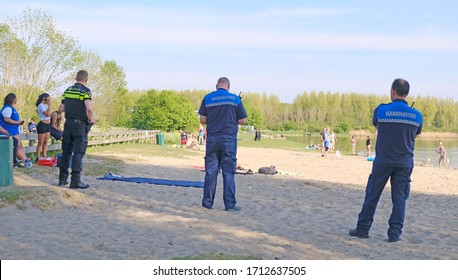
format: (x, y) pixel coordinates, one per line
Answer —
(303, 213)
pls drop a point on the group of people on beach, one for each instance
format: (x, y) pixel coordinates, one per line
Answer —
(328, 141)
(222, 112)
(79, 114)
(440, 150)
(49, 125)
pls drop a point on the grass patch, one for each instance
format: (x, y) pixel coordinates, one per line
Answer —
(10, 196)
(216, 256)
(99, 166)
(145, 150)
(36, 170)
(38, 198)
(92, 165)
(175, 151)
(247, 140)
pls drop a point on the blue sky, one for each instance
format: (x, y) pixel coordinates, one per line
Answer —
(274, 47)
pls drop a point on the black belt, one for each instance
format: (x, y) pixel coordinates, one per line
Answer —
(75, 120)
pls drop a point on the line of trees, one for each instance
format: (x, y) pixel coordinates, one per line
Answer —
(35, 57)
(340, 111)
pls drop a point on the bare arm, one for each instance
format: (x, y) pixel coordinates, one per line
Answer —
(3, 131)
(62, 107)
(10, 121)
(48, 111)
(90, 111)
(54, 121)
(242, 121)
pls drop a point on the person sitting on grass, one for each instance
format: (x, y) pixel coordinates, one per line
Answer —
(192, 143)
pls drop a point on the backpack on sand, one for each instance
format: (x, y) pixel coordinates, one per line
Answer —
(271, 170)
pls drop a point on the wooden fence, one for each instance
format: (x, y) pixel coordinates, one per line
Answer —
(95, 139)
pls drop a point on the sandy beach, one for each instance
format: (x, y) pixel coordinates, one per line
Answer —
(304, 212)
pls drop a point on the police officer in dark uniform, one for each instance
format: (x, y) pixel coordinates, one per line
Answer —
(80, 116)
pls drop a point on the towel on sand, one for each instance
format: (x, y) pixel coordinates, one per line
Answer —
(179, 183)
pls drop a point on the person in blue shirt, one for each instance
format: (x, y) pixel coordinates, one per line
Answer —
(32, 126)
(398, 125)
(222, 112)
(10, 121)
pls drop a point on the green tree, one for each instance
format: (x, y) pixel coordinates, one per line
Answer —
(166, 111)
(111, 95)
(195, 96)
(254, 114)
(36, 57)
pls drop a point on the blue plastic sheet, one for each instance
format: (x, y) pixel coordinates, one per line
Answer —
(178, 183)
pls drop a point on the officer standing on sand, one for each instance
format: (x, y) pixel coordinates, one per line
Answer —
(222, 112)
(80, 116)
(397, 127)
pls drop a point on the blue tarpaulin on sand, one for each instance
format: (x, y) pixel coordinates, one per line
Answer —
(179, 183)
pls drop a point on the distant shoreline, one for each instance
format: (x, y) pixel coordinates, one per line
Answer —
(424, 134)
(430, 134)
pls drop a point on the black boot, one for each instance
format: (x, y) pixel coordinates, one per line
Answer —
(76, 182)
(62, 183)
(79, 185)
(63, 179)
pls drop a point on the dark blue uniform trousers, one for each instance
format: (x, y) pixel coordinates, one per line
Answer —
(400, 189)
(220, 154)
(74, 141)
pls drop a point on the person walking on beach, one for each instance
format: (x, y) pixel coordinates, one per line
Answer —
(442, 154)
(43, 128)
(353, 145)
(398, 125)
(324, 142)
(332, 141)
(368, 146)
(222, 112)
(201, 135)
(80, 116)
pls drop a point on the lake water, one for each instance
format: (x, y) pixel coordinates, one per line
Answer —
(425, 148)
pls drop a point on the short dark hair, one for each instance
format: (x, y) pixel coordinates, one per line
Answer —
(401, 87)
(223, 80)
(9, 99)
(82, 75)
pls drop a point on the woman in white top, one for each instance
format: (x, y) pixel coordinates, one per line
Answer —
(43, 128)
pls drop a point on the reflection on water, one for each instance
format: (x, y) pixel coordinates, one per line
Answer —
(425, 148)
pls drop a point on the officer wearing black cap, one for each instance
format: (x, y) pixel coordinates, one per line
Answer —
(79, 117)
